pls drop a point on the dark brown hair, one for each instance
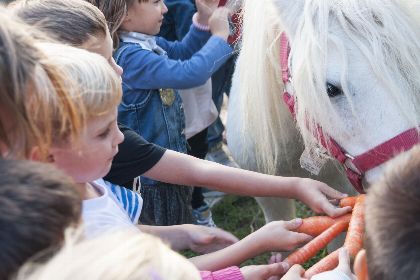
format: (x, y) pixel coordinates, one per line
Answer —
(73, 22)
(37, 203)
(393, 221)
(114, 11)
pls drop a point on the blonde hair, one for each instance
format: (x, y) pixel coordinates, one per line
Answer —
(126, 255)
(92, 83)
(56, 16)
(32, 89)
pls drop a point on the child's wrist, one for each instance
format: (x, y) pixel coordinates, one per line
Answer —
(295, 187)
(199, 23)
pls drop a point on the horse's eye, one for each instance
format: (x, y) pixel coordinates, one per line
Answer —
(333, 91)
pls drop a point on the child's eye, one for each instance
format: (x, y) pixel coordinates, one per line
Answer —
(105, 133)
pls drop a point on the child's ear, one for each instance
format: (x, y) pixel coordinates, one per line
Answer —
(360, 266)
(36, 155)
(127, 16)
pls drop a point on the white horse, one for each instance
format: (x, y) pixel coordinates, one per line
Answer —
(355, 72)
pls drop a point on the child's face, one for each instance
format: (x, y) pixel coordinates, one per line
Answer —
(90, 157)
(145, 17)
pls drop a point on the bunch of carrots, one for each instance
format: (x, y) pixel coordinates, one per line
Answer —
(325, 229)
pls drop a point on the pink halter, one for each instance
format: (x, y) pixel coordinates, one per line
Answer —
(355, 166)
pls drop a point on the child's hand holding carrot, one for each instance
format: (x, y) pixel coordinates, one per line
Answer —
(316, 195)
(277, 236)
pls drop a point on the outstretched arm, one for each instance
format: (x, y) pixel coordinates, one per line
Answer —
(275, 236)
(199, 239)
(186, 170)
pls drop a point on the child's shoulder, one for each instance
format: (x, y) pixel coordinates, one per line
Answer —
(126, 51)
(129, 200)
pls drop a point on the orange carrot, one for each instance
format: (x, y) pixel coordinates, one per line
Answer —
(354, 237)
(353, 242)
(316, 225)
(311, 248)
(348, 201)
(328, 263)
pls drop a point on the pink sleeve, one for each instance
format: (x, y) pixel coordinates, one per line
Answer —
(230, 273)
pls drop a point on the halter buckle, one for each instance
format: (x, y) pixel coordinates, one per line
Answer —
(349, 165)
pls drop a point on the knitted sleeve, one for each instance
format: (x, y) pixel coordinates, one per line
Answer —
(230, 273)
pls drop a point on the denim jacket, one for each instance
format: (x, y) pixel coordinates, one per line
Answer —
(151, 105)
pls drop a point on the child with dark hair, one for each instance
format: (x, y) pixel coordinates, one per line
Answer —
(393, 223)
(37, 203)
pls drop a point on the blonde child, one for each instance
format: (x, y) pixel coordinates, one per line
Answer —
(89, 157)
(140, 256)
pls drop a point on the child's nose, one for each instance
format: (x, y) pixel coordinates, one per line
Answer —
(119, 137)
(164, 8)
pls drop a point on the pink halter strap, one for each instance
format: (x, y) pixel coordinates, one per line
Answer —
(355, 167)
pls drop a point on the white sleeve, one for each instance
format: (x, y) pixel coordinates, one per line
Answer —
(335, 274)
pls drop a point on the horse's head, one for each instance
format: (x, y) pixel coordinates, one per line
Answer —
(355, 69)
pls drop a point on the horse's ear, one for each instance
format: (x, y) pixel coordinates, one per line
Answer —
(290, 12)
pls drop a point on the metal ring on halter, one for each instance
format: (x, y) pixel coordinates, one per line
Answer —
(348, 164)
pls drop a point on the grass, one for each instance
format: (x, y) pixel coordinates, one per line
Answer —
(242, 216)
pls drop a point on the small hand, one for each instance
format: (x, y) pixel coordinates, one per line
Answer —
(264, 272)
(294, 273)
(344, 263)
(206, 240)
(315, 194)
(342, 268)
(205, 9)
(219, 23)
(279, 236)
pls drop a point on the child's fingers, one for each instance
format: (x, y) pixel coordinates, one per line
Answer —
(334, 211)
(344, 260)
(295, 272)
(276, 269)
(303, 238)
(332, 193)
(293, 224)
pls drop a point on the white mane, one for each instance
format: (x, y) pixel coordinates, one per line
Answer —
(260, 86)
(386, 32)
